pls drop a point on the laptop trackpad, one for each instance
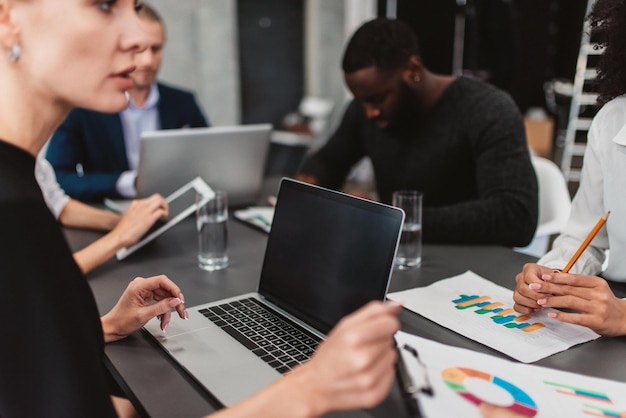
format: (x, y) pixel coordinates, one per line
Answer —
(221, 364)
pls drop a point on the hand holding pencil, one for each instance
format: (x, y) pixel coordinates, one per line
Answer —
(588, 300)
(533, 282)
(586, 242)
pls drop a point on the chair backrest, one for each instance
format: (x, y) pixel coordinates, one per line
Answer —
(554, 205)
(554, 197)
(318, 110)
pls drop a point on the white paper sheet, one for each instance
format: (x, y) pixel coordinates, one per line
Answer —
(461, 379)
(483, 311)
(259, 216)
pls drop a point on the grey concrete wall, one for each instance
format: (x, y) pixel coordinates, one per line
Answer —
(329, 24)
(201, 51)
(201, 54)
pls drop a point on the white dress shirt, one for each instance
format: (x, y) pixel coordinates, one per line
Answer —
(53, 194)
(602, 189)
(135, 121)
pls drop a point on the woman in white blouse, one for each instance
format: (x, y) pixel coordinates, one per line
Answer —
(602, 189)
(123, 230)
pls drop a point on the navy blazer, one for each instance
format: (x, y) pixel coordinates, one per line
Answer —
(96, 142)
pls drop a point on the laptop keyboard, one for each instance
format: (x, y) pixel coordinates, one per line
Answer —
(280, 344)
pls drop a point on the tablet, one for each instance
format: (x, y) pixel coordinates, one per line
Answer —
(181, 203)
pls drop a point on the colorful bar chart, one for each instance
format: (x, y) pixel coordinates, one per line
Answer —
(587, 395)
(596, 411)
(506, 317)
(580, 393)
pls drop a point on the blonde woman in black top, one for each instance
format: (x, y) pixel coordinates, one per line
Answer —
(57, 54)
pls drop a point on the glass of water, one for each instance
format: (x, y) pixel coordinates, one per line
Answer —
(409, 253)
(212, 226)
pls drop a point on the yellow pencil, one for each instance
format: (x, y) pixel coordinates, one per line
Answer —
(586, 242)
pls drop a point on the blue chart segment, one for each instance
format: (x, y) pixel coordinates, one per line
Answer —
(506, 317)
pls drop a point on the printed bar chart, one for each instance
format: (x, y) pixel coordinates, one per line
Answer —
(587, 395)
(483, 311)
(506, 317)
(578, 392)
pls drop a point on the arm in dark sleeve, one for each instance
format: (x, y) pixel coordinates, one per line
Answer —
(506, 210)
(332, 163)
(51, 358)
(65, 151)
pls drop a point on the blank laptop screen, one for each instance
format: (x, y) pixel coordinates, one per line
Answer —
(327, 254)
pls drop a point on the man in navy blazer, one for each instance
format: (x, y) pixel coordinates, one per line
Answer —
(88, 151)
(95, 155)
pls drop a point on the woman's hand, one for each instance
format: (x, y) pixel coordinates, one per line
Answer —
(354, 367)
(528, 288)
(596, 305)
(135, 306)
(492, 411)
(138, 219)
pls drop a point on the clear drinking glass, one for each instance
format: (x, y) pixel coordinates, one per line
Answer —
(409, 253)
(212, 226)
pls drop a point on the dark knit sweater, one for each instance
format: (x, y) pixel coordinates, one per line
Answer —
(468, 155)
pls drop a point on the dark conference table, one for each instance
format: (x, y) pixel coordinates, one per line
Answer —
(161, 389)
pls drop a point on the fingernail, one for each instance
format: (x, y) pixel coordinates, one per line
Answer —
(546, 277)
(181, 297)
(164, 327)
(538, 309)
(552, 314)
(542, 301)
(534, 286)
(556, 271)
(186, 314)
(174, 302)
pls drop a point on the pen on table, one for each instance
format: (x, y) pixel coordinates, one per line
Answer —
(406, 386)
(586, 242)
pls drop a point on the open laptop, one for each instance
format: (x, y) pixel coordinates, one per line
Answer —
(229, 158)
(327, 255)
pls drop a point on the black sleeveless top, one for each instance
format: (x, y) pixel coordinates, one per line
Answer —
(51, 353)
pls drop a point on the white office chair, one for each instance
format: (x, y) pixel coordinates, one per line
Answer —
(288, 149)
(554, 205)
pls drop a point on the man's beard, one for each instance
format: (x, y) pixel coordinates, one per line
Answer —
(408, 112)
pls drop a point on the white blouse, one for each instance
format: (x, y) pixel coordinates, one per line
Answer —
(53, 194)
(602, 189)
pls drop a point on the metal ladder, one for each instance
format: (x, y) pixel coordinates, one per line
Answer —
(582, 108)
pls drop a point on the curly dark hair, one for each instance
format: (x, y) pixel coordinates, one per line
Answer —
(386, 43)
(608, 29)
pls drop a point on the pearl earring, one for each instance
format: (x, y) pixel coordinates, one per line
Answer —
(15, 52)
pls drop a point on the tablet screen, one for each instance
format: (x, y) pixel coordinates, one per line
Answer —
(182, 203)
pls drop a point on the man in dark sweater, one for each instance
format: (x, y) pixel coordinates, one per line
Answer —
(459, 141)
